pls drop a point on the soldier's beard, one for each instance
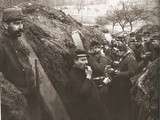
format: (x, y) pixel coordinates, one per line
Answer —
(17, 33)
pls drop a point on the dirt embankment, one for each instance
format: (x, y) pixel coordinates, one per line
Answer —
(49, 32)
(145, 93)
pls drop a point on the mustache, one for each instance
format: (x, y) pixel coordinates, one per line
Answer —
(19, 31)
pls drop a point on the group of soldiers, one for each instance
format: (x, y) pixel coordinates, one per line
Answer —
(106, 72)
(99, 85)
(104, 82)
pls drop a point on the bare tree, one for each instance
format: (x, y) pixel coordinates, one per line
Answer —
(112, 20)
(134, 13)
(156, 11)
(117, 16)
(128, 13)
(79, 5)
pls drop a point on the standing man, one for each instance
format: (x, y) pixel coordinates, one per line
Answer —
(155, 47)
(14, 59)
(120, 85)
(97, 60)
(84, 98)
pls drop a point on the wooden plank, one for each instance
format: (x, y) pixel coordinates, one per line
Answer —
(77, 40)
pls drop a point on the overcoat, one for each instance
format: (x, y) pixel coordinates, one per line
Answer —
(84, 100)
(119, 92)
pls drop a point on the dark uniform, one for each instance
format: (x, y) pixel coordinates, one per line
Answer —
(15, 65)
(119, 97)
(98, 64)
(85, 103)
(97, 61)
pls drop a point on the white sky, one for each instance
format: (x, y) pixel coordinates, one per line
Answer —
(90, 12)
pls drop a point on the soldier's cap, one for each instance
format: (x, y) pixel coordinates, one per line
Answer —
(120, 37)
(12, 14)
(121, 46)
(94, 43)
(105, 30)
(155, 37)
(81, 53)
(132, 34)
(146, 33)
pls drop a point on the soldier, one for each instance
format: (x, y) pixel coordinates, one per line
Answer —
(97, 60)
(146, 41)
(84, 99)
(155, 47)
(136, 46)
(150, 52)
(119, 92)
(14, 60)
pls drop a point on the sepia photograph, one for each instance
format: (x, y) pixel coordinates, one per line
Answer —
(79, 59)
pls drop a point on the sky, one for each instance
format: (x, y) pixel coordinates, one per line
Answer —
(89, 13)
(109, 2)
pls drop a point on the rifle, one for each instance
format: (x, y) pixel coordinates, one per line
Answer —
(37, 82)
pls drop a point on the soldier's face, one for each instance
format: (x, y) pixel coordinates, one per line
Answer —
(132, 45)
(133, 38)
(15, 28)
(81, 62)
(155, 43)
(96, 49)
(120, 53)
(146, 38)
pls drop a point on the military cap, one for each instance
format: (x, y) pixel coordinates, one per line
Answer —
(105, 30)
(12, 14)
(94, 43)
(120, 38)
(132, 34)
(146, 33)
(121, 46)
(78, 53)
(155, 37)
(81, 53)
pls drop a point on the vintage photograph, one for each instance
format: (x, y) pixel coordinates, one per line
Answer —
(80, 59)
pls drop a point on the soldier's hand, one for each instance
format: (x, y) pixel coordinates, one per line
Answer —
(116, 73)
(106, 80)
(88, 72)
(109, 69)
(146, 55)
(116, 63)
